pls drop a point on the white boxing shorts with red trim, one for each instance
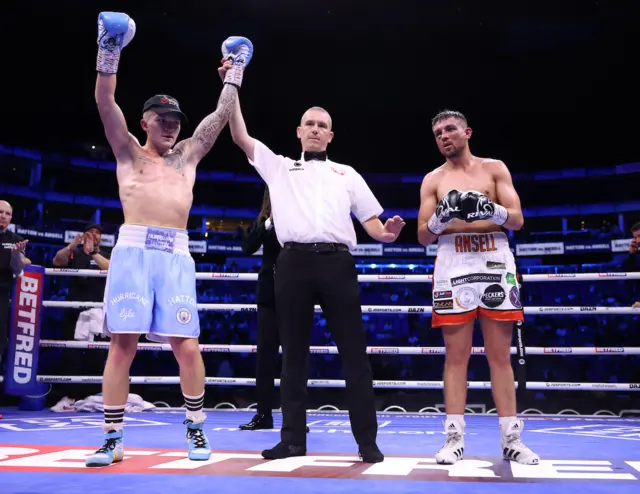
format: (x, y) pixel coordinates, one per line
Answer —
(475, 275)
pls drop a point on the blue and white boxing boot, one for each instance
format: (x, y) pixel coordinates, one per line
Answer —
(111, 452)
(199, 448)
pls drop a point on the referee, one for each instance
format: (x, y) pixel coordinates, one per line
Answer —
(312, 200)
(12, 262)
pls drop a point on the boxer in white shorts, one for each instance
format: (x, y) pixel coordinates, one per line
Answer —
(464, 205)
(151, 285)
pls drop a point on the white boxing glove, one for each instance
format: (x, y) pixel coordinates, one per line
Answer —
(115, 31)
(240, 51)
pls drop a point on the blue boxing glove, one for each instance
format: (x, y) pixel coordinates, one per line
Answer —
(448, 209)
(115, 31)
(239, 50)
(476, 206)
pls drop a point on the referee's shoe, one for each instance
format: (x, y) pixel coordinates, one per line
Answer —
(369, 454)
(260, 421)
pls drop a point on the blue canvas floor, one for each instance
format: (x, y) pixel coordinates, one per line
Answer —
(42, 452)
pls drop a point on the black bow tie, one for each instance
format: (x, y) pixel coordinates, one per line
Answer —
(315, 155)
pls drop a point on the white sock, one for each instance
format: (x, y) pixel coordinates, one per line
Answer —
(505, 421)
(113, 418)
(194, 406)
(459, 419)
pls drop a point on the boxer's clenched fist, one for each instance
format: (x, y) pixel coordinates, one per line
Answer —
(448, 209)
(239, 51)
(476, 206)
(115, 31)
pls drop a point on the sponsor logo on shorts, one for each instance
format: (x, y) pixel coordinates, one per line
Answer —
(162, 240)
(476, 278)
(466, 298)
(442, 285)
(514, 297)
(442, 294)
(182, 299)
(183, 315)
(510, 278)
(127, 314)
(443, 304)
(496, 265)
(493, 296)
(129, 296)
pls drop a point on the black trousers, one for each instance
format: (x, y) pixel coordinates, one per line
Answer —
(302, 279)
(267, 358)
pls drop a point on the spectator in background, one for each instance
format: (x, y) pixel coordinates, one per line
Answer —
(84, 252)
(12, 262)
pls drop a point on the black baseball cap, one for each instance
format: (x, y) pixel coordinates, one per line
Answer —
(163, 103)
(93, 225)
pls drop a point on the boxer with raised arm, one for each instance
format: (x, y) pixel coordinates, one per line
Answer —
(464, 204)
(151, 285)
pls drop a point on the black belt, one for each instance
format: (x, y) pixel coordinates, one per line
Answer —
(317, 247)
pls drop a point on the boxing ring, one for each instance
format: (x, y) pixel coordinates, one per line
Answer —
(598, 451)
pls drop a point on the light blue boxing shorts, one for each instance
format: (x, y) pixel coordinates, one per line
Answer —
(151, 285)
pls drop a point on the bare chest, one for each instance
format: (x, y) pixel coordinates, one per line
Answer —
(476, 179)
(169, 172)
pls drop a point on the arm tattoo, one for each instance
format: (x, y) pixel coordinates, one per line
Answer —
(210, 128)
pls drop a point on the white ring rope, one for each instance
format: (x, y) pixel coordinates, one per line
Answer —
(381, 309)
(370, 309)
(369, 278)
(336, 383)
(332, 350)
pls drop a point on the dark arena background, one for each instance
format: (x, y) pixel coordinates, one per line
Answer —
(547, 87)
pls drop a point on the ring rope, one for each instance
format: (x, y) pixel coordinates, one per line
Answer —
(337, 383)
(369, 278)
(332, 350)
(370, 309)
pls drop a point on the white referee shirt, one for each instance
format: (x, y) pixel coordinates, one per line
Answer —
(312, 201)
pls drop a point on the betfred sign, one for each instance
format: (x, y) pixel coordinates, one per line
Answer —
(24, 333)
(37, 458)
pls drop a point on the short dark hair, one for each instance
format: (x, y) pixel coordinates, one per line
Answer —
(635, 227)
(444, 114)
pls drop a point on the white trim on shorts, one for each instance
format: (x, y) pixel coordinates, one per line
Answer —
(136, 236)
